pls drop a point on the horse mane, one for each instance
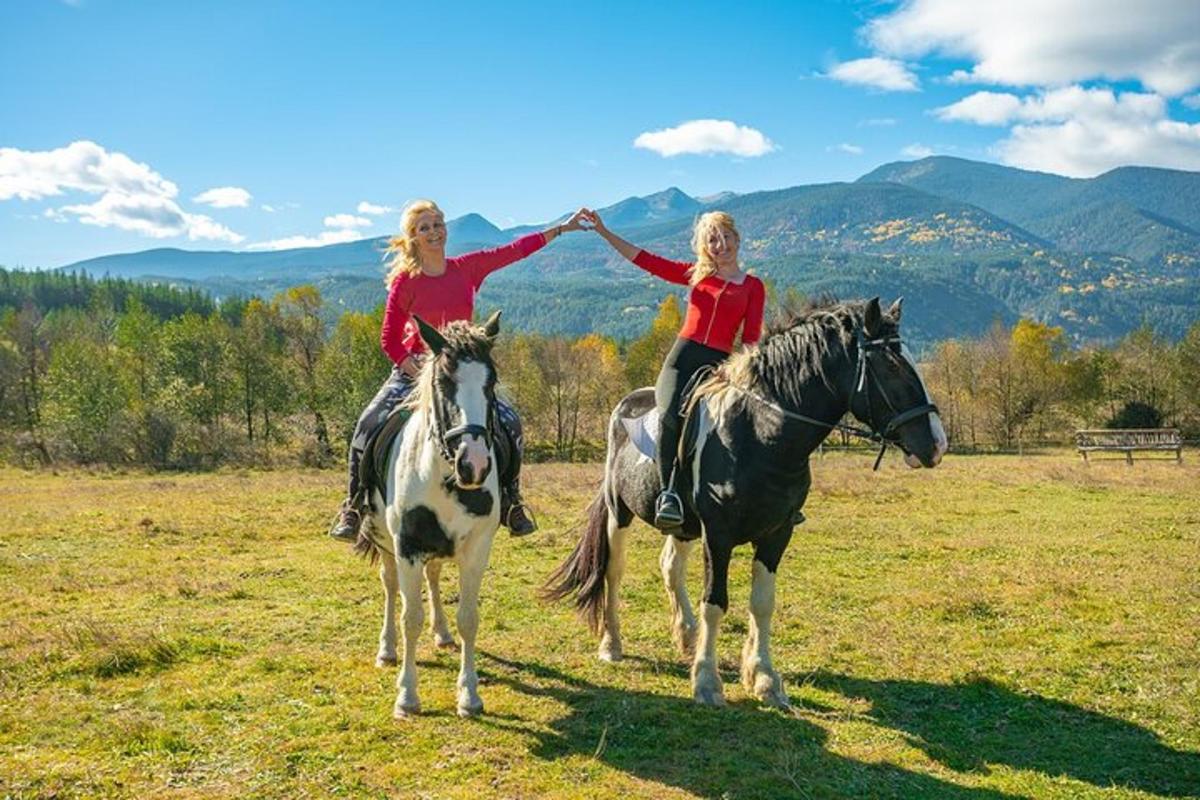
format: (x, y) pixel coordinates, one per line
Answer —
(464, 342)
(793, 351)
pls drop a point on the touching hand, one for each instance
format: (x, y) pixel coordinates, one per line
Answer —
(593, 220)
(580, 220)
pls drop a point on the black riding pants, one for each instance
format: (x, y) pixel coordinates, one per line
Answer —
(397, 387)
(682, 362)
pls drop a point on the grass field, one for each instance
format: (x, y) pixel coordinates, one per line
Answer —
(998, 627)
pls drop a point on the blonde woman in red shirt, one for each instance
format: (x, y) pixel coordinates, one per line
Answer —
(722, 299)
(425, 283)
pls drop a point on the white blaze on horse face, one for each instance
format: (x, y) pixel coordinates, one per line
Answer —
(470, 380)
(940, 444)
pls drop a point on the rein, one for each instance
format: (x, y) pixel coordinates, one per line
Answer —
(885, 438)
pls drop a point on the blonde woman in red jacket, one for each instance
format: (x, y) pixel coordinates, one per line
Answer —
(722, 299)
(425, 283)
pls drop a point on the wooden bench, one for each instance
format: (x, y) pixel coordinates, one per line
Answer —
(1130, 440)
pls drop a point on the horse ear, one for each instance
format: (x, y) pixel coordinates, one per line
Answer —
(492, 327)
(894, 310)
(872, 318)
(430, 335)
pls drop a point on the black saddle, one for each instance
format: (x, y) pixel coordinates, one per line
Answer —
(372, 470)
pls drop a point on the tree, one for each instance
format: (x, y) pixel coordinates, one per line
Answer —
(198, 383)
(1039, 378)
(26, 341)
(352, 368)
(86, 400)
(299, 310)
(262, 386)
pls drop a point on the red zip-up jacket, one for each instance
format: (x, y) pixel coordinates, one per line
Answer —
(716, 308)
(445, 298)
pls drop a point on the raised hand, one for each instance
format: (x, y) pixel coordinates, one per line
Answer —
(593, 220)
(580, 220)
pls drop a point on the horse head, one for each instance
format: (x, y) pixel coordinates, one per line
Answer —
(460, 387)
(889, 394)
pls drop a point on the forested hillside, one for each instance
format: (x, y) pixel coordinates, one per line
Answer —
(965, 242)
(116, 372)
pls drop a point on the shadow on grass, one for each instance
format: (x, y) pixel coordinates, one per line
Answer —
(743, 751)
(969, 725)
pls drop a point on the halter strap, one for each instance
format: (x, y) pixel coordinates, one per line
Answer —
(884, 438)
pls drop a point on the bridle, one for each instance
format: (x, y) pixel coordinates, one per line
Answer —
(884, 435)
(447, 437)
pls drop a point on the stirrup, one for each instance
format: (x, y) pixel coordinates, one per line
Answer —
(668, 510)
(520, 530)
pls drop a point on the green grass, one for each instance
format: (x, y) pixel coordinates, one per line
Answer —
(998, 627)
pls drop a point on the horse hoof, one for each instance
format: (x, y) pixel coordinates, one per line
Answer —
(611, 655)
(406, 710)
(469, 711)
(776, 699)
(385, 661)
(445, 644)
(712, 698)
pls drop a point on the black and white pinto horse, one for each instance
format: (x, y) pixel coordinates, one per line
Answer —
(441, 501)
(756, 421)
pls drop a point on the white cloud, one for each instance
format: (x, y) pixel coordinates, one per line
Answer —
(347, 221)
(320, 240)
(224, 197)
(80, 166)
(268, 209)
(374, 210)
(133, 196)
(156, 217)
(1041, 43)
(982, 108)
(879, 73)
(706, 137)
(1192, 101)
(917, 150)
(846, 147)
(1083, 132)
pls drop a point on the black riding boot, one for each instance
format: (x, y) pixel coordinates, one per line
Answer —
(668, 509)
(513, 512)
(345, 528)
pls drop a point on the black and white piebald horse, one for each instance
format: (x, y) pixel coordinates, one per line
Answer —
(441, 501)
(756, 421)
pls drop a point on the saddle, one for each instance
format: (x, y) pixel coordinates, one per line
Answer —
(643, 430)
(372, 470)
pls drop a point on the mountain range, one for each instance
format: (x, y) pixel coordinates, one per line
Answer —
(965, 242)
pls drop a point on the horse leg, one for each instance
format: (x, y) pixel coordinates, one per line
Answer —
(673, 562)
(610, 639)
(758, 676)
(470, 574)
(706, 681)
(386, 657)
(437, 622)
(409, 575)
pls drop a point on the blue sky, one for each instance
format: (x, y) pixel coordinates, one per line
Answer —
(118, 119)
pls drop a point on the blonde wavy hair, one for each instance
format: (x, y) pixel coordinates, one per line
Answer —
(402, 249)
(704, 265)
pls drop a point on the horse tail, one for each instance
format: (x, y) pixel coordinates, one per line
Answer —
(582, 574)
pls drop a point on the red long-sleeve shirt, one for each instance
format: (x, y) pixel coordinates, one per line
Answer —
(444, 298)
(716, 307)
